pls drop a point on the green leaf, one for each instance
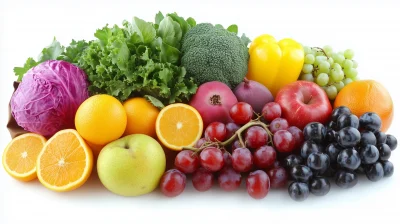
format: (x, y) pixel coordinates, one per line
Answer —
(233, 28)
(169, 54)
(191, 22)
(170, 32)
(181, 21)
(156, 102)
(245, 40)
(20, 71)
(103, 35)
(219, 26)
(51, 52)
(74, 51)
(144, 29)
(159, 18)
(166, 75)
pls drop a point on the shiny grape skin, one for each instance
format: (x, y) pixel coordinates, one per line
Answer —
(278, 124)
(297, 135)
(347, 120)
(384, 152)
(391, 141)
(369, 154)
(388, 168)
(258, 184)
(172, 183)
(242, 160)
(346, 179)
(271, 111)
(380, 137)
(370, 121)
(264, 157)
(278, 177)
(301, 173)
(229, 179)
(339, 111)
(212, 159)
(374, 172)
(318, 162)
(202, 179)
(284, 141)
(187, 161)
(216, 131)
(227, 158)
(292, 160)
(349, 159)
(348, 137)
(320, 186)
(298, 191)
(309, 147)
(315, 132)
(333, 150)
(231, 128)
(367, 138)
(241, 113)
(256, 137)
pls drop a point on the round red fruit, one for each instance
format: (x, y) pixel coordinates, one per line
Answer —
(187, 161)
(202, 179)
(298, 136)
(264, 157)
(284, 141)
(278, 177)
(172, 183)
(278, 124)
(212, 159)
(256, 137)
(216, 131)
(242, 160)
(241, 113)
(227, 159)
(258, 184)
(231, 128)
(271, 111)
(200, 143)
(229, 179)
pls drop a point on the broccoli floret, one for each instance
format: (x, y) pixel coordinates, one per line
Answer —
(212, 53)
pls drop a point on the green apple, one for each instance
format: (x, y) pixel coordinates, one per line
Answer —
(132, 165)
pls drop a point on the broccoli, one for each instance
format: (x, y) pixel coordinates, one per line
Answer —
(211, 53)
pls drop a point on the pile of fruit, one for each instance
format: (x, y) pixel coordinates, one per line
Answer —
(156, 105)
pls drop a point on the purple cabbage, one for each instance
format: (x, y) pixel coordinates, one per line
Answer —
(48, 97)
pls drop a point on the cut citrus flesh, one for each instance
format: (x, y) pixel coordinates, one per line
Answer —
(65, 162)
(20, 155)
(179, 125)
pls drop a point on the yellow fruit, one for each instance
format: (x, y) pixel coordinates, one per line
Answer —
(65, 163)
(20, 155)
(179, 125)
(101, 119)
(142, 116)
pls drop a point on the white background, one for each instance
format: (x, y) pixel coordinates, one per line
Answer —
(370, 28)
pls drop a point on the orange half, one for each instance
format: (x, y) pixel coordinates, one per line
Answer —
(179, 125)
(65, 162)
(20, 155)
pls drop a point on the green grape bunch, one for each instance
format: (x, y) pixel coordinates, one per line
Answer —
(330, 70)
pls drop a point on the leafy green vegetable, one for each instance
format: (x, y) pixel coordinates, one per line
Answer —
(233, 28)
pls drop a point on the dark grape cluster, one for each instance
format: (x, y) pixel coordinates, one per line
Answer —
(264, 151)
(340, 151)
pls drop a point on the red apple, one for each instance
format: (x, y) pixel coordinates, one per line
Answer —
(303, 102)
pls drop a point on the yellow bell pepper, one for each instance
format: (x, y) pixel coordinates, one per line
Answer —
(275, 64)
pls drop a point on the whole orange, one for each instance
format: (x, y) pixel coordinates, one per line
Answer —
(142, 116)
(367, 96)
(101, 119)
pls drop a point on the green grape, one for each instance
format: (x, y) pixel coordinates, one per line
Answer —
(349, 54)
(327, 49)
(347, 64)
(356, 78)
(351, 73)
(307, 68)
(339, 85)
(337, 75)
(309, 59)
(331, 61)
(322, 79)
(338, 58)
(313, 52)
(347, 81)
(331, 91)
(307, 50)
(323, 67)
(320, 53)
(355, 64)
(321, 58)
(336, 66)
(307, 77)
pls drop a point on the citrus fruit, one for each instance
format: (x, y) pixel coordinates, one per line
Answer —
(367, 96)
(101, 119)
(179, 125)
(19, 157)
(65, 163)
(142, 116)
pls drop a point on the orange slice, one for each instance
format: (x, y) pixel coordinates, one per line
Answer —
(179, 125)
(20, 155)
(65, 162)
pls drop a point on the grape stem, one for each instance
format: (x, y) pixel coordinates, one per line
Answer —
(322, 50)
(237, 135)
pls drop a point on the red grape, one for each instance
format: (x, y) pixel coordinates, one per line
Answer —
(241, 113)
(258, 184)
(231, 128)
(278, 124)
(187, 161)
(271, 111)
(227, 159)
(202, 179)
(172, 183)
(216, 131)
(229, 179)
(284, 141)
(277, 164)
(278, 177)
(242, 160)
(264, 157)
(212, 159)
(298, 136)
(256, 137)
(236, 144)
(200, 142)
